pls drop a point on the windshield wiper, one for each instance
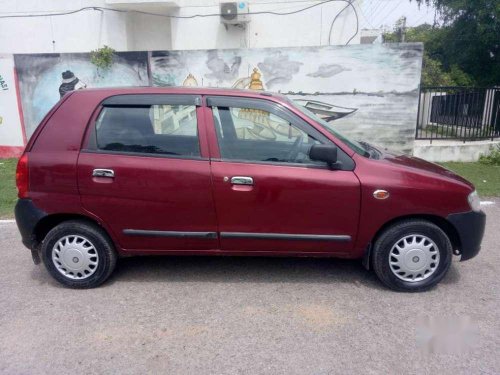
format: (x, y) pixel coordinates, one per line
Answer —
(372, 151)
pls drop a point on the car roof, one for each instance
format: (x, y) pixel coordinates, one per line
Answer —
(110, 91)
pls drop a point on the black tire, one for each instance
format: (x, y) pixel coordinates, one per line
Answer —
(98, 238)
(392, 235)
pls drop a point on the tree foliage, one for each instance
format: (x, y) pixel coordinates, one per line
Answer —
(463, 49)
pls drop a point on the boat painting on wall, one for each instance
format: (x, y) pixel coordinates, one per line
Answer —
(327, 112)
(366, 91)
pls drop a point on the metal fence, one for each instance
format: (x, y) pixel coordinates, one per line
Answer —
(461, 113)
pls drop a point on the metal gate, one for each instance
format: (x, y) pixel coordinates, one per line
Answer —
(461, 113)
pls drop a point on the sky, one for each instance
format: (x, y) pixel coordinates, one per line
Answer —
(376, 13)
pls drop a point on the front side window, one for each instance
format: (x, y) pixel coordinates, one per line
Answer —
(353, 145)
(155, 129)
(257, 135)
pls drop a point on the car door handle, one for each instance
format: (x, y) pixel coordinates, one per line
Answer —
(103, 173)
(241, 180)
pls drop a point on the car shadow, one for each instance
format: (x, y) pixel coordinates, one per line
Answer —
(240, 270)
(453, 275)
(243, 269)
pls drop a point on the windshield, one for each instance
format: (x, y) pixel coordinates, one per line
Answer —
(354, 145)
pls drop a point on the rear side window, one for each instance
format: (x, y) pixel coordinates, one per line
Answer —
(152, 129)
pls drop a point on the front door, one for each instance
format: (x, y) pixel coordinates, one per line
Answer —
(143, 174)
(270, 197)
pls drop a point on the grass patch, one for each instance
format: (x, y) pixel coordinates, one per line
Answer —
(8, 191)
(486, 178)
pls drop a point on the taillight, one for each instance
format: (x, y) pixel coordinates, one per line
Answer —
(22, 177)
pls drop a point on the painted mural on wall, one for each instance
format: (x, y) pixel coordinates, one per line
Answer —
(11, 135)
(45, 78)
(368, 92)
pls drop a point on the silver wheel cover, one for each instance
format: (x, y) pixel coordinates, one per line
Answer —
(75, 257)
(414, 258)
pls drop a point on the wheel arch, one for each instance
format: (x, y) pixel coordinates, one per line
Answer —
(439, 221)
(47, 223)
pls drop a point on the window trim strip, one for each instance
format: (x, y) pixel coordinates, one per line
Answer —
(275, 163)
(124, 100)
(144, 154)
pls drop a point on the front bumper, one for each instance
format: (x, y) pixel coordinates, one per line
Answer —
(470, 229)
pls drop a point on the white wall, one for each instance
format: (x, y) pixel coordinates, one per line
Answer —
(79, 32)
(146, 33)
(91, 29)
(128, 31)
(308, 28)
(10, 123)
(449, 150)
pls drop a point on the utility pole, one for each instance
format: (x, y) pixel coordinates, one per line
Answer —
(400, 29)
(403, 29)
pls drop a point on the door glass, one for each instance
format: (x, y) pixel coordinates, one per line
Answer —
(174, 119)
(257, 135)
(155, 129)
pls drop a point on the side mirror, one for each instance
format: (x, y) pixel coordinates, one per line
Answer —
(326, 153)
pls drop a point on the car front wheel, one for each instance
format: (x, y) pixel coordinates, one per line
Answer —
(412, 255)
(78, 254)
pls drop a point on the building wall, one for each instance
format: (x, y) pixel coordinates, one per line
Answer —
(11, 131)
(79, 32)
(384, 98)
(308, 28)
(369, 92)
(40, 78)
(91, 29)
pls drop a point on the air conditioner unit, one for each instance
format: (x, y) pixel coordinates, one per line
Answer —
(234, 13)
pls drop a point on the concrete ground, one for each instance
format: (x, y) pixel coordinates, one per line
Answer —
(200, 315)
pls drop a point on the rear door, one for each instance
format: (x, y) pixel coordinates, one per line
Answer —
(270, 197)
(145, 173)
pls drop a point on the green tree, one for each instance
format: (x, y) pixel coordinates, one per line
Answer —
(464, 46)
(434, 75)
(433, 71)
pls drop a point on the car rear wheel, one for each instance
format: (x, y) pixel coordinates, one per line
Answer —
(412, 255)
(78, 254)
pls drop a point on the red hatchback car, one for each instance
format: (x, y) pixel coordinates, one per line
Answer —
(140, 171)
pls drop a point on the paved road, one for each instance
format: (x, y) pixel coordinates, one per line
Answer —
(200, 315)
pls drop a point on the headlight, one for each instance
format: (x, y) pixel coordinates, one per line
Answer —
(474, 201)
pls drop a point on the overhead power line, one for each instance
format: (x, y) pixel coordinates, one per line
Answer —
(374, 9)
(366, 18)
(274, 13)
(335, 18)
(379, 13)
(393, 9)
(167, 15)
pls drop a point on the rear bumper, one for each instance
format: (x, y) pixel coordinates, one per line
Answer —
(27, 217)
(470, 229)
